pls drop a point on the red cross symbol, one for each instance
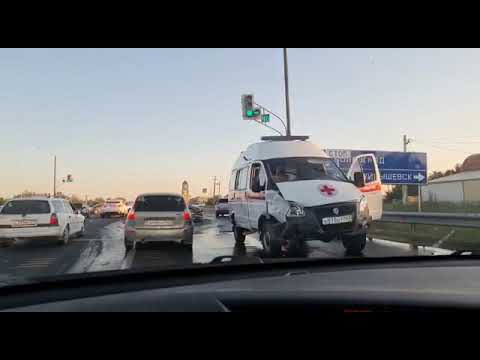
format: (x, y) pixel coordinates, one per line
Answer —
(327, 190)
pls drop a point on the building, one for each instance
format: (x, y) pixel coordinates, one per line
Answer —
(463, 186)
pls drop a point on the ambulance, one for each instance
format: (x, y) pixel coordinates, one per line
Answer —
(290, 191)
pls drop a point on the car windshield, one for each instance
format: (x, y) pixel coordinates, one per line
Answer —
(298, 169)
(282, 154)
(26, 207)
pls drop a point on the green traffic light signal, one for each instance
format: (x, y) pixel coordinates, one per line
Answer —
(250, 113)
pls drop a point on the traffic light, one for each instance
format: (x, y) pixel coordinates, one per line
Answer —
(69, 178)
(247, 106)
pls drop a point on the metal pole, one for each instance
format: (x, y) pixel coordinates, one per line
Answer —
(419, 197)
(404, 187)
(214, 186)
(54, 176)
(287, 100)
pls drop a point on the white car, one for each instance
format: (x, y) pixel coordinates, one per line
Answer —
(40, 218)
(113, 207)
(292, 191)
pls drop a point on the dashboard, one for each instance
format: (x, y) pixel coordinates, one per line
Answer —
(438, 285)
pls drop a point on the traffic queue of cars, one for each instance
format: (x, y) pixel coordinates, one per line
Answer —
(287, 191)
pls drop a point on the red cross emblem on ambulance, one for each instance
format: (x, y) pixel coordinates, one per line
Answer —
(327, 190)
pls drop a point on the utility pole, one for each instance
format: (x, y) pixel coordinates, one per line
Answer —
(54, 175)
(219, 192)
(214, 186)
(404, 187)
(287, 100)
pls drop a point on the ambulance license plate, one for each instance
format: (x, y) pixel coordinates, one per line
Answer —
(337, 220)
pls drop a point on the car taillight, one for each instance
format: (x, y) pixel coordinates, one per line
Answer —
(53, 220)
(186, 216)
(131, 216)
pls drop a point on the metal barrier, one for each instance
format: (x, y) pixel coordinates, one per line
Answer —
(441, 219)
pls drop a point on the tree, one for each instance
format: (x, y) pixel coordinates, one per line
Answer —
(394, 193)
(75, 199)
(2, 201)
(98, 200)
(439, 174)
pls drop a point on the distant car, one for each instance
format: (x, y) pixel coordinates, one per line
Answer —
(159, 217)
(86, 211)
(112, 208)
(197, 212)
(129, 205)
(221, 207)
(29, 218)
(82, 208)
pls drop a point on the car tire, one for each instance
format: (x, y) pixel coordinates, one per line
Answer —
(354, 245)
(65, 237)
(238, 234)
(187, 242)
(272, 243)
(82, 231)
(217, 214)
(129, 245)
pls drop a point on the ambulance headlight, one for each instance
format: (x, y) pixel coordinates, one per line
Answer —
(363, 207)
(295, 210)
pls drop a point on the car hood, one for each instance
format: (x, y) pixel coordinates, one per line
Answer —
(318, 192)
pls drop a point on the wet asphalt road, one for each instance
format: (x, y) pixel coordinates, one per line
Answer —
(102, 249)
(31, 258)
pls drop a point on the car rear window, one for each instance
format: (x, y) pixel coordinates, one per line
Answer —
(159, 203)
(222, 201)
(26, 207)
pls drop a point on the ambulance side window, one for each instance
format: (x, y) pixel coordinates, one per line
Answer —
(257, 175)
(241, 180)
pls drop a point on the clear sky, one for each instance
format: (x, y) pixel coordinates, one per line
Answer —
(124, 121)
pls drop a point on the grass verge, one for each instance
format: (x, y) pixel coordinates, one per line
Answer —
(454, 238)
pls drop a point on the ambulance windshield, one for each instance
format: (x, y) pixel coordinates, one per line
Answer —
(304, 168)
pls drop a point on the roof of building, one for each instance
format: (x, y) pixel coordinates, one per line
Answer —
(471, 163)
(461, 176)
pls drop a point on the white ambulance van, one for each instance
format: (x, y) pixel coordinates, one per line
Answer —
(291, 191)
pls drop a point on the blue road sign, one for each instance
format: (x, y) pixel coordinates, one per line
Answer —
(405, 168)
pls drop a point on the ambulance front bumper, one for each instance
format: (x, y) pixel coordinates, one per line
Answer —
(313, 225)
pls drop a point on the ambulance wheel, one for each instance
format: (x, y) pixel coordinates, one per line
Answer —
(354, 245)
(239, 234)
(272, 244)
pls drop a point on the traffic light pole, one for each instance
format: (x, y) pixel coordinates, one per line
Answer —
(287, 99)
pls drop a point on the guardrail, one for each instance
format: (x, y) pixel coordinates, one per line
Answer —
(441, 219)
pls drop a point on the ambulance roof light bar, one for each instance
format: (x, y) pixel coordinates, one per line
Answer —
(285, 138)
